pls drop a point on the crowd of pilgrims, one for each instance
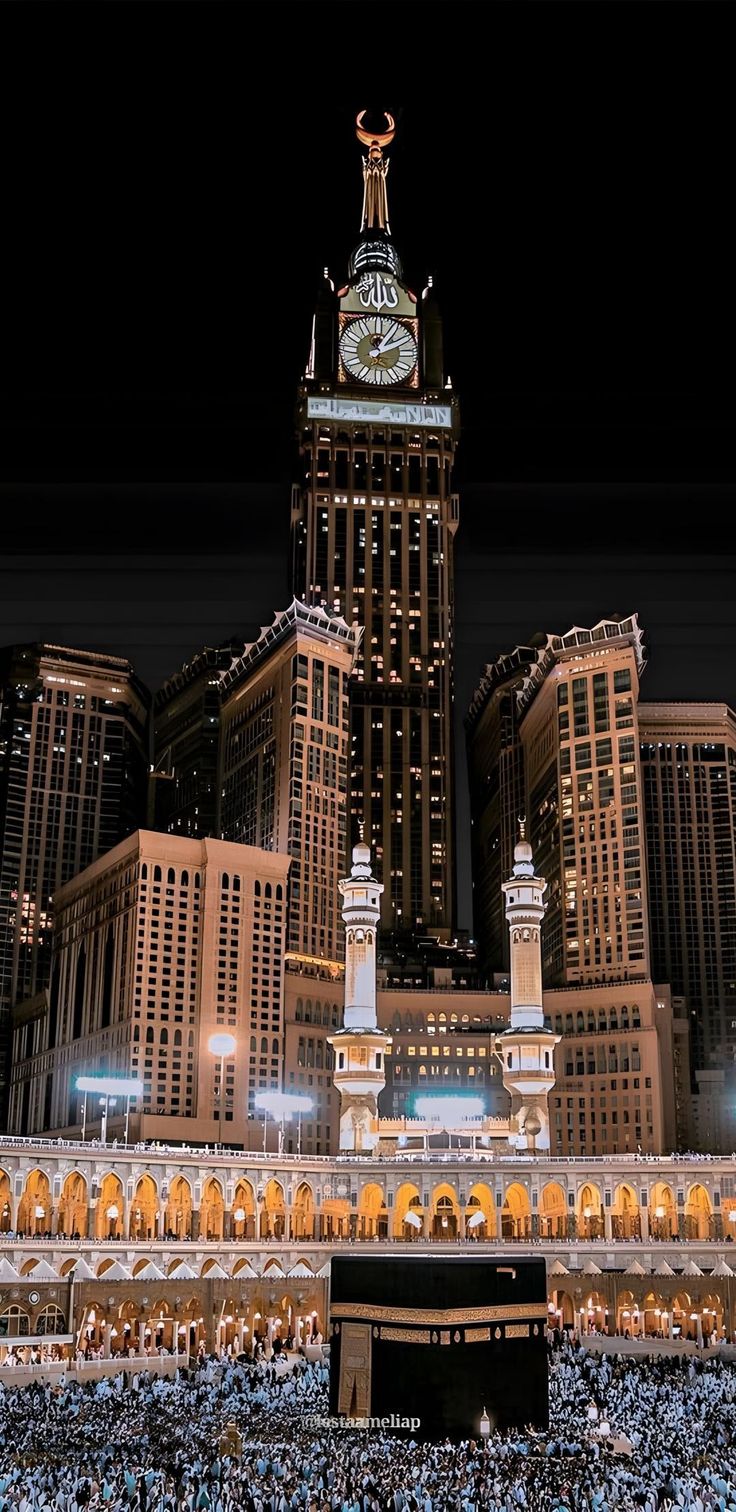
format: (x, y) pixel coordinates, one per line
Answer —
(657, 1433)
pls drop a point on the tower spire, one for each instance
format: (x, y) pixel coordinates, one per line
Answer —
(375, 171)
(360, 1046)
(527, 1047)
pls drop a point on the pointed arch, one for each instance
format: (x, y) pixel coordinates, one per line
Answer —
(244, 1211)
(34, 1208)
(143, 1220)
(698, 1213)
(212, 1210)
(178, 1214)
(553, 1212)
(408, 1202)
(625, 1216)
(110, 1210)
(73, 1206)
(480, 1200)
(590, 1211)
(302, 1217)
(516, 1213)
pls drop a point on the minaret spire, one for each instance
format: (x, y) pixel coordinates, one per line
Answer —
(375, 171)
(527, 1047)
(360, 1046)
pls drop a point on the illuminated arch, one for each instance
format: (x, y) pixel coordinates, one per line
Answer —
(596, 1312)
(243, 1211)
(212, 1210)
(372, 1212)
(590, 1212)
(34, 1208)
(662, 1211)
(516, 1213)
(273, 1213)
(480, 1200)
(444, 1212)
(553, 1212)
(698, 1213)
(625, 1217)
(563, 1310)
(407, 1201)
(110, 1210)
(73, 1206)
(302, 1216)
(6, 1204)
(178, 1214)
(143, 1217)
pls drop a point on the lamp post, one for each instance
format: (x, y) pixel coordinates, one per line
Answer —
(38, 1213)
(222, 1046)
(108, 1089)
(113, 1213)
(282, 1106)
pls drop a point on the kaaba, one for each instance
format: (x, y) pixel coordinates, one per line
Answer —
(426, 1344)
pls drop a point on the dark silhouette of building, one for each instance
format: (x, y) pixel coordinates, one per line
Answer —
(73, 766)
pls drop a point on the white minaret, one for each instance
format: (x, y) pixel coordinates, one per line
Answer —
(527, 1047)
(360, 1046)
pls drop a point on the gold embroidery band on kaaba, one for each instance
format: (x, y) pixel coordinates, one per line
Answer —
(433, 1317)
(406, 1335)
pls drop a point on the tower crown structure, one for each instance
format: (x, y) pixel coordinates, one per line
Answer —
(527, 1047)
(373, 523)
(360, 1046)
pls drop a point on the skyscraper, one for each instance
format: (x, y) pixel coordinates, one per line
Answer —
(159, 947)
(576, 716)
(186, 731)
(497, 798)
(373, 521)
(688, 763)
(73, 764)
(283, 762)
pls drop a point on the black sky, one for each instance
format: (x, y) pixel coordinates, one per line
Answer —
(169, 218)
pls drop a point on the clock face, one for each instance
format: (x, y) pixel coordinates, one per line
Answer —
(378, 349)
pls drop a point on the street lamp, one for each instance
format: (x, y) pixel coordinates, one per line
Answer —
(109, 1088)
(39, 1213)
(113, 1213)
(282, 1106)
(223, 1046)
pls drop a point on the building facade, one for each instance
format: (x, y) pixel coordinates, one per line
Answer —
(574, 732)
(497, 797)
(73, 772)
(284, 759)
(186, 745)
(688, 765)
(158, 946)
(135, 1251)
(373, 521)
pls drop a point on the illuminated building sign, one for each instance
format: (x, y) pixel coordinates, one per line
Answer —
(374, 410)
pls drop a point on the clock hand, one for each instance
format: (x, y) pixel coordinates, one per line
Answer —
(383, 348)
(383, 345)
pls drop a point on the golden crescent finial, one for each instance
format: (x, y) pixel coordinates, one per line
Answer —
(368, 138)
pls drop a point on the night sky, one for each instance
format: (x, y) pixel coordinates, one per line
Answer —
(167, 234)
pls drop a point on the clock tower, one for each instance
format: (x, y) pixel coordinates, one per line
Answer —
(373, 522)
